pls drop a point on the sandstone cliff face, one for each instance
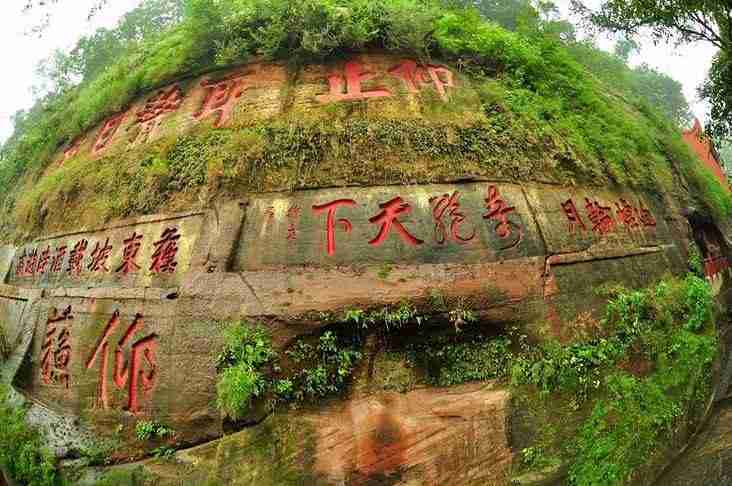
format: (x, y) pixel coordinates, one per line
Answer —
(123, 321)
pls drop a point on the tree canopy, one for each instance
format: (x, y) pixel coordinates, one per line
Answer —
(681, 21)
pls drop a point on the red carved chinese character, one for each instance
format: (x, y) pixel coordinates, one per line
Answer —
(498, 210)
(132, 373)
(354, 75)
(573, 217)
(31, 262)
(221, 98)
(331, 221)
(129, 254)
(20, 265)
(600, 216)
(415, 77)
(627, 215)
(77, 256)
(73, 149)
(293, 216)
(107, 132)
(99, 257)
(714, 265)
(58, 259)
(388, 218)
(166, 250)
(43, 260)
(150, 116)
(55, 360)
(449, 203)
(269, 216)
(646, 217)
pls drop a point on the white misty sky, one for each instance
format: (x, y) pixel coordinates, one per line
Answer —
(22, 53)
(688, 63)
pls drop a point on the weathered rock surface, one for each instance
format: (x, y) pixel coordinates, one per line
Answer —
(124, 322)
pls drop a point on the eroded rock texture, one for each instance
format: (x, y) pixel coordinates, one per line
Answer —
(123, 321)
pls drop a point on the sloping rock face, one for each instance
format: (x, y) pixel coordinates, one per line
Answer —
(124, 321)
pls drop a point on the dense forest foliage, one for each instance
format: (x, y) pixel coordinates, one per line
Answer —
(543, 75)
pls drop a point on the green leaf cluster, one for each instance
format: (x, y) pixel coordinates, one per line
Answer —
(148, 429)
(249, 369)
(242, 377)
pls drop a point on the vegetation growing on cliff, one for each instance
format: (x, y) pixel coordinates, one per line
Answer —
(645, 372)
(22, 453)
(651, 369)
(543, 104)
(4, 344)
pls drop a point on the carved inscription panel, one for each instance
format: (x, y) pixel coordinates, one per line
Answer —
(151, 252)
(466, 223)
(117, 358)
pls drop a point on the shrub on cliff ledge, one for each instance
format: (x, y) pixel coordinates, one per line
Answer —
(247, 351)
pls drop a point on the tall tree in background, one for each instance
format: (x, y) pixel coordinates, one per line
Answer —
(680, 21)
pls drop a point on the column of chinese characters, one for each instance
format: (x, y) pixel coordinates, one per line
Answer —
(56, 349)
(293, 216)
(138, 372)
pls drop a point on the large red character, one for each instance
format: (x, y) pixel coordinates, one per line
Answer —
(150, 116)
(646, 218)
(415, 77)
(627, 215)
(498, 210)
(55, 359)
(330, 224)
(43, 259)
(58, 259)
(76, 257)
(450, 204)
(73, 149)
(601, 217)
(99, 257)
(351, 90)
(221, 98)
(388, 218)
(129, 254)
(573, 217)
(107, 132)
(165, 252)
(126, 373)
